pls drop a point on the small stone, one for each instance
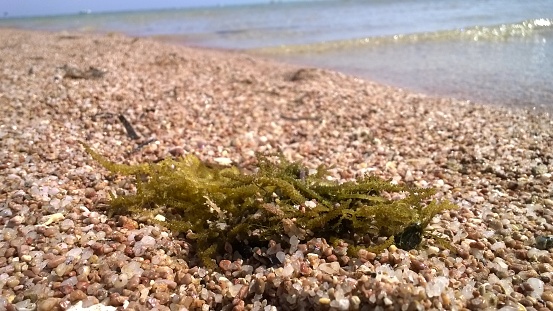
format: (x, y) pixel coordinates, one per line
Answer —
(9, 234)
(242, 292)
(281, 256)
(537, 287)
(234, 289)
(341, 304)
(50, 232)
(49, 304)
(12, 281)
(527, 301)
(547, 296)
(432, 250)
(77, 295)
(177, 152)
(544, 242)
(258, 286)
(418, 266)
(545, 267)
(371, 256)
(89, 193)
(92, 302)
(287, 271)
(117, 300)
(131, 269)
(332, 258)
(163, 297)
(478, 245)
(355, 301)
(67, 224)
(225, 265)
(56, 261)
(330, 268)
(53, 219)
(133, 282)
(324, 301)
(223, 161)
(82, 285)
(17, 220)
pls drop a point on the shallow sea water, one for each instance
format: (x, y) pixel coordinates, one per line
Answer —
(516, 71)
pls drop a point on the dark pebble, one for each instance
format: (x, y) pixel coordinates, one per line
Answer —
(138, 237)
(478, 245)
(418, 266)
(517, 267)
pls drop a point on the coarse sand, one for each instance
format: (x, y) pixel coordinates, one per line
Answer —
(60, 249)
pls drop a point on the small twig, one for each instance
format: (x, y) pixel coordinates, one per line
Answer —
(130, 130)
(102, 115)
(299, 118)
(142, 145)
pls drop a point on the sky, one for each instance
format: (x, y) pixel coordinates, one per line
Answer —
(15, 8)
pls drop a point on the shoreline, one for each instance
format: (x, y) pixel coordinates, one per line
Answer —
(260, 53)
(59, 88)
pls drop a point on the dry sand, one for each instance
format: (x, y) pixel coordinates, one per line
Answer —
(59, 249)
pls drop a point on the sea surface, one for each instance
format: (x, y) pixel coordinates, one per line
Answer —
(491, 51)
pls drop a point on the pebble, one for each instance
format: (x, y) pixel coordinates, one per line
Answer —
(89, 193)
(324, 301)
(77, 295)
(12, 281)
(56, 261)
(340, 304)
(547, 296)
(49, 304)
(330, 268)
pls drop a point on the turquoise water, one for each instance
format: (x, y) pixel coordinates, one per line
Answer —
(496, 52)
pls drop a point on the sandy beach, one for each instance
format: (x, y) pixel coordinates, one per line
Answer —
(60, 249)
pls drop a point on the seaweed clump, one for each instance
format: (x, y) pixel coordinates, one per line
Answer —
(214, 205)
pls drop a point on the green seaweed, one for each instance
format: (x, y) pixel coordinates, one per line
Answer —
(214, 205)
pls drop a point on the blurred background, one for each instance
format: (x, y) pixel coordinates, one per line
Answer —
(494, 52)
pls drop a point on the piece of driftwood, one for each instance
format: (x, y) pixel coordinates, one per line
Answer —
(76, 73)
(128, 127)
